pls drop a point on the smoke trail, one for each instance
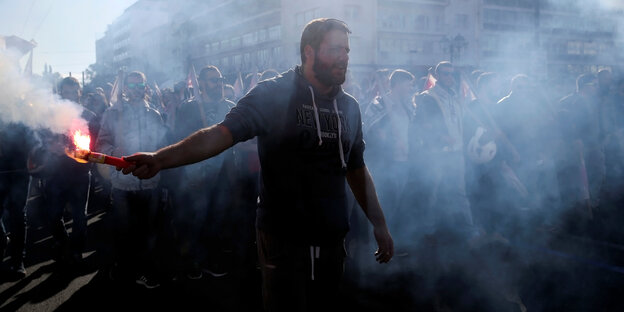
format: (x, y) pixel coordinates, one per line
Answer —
(35, 107)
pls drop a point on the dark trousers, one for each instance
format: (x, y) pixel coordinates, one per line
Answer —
(134, 228)
(57, 194)
(13, 192)
(191, 208)
(297, 276)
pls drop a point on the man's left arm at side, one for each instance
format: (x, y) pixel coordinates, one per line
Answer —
(361, 183)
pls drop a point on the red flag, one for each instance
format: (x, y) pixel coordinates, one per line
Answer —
(430, 83)
(466, 90)
(238, 87)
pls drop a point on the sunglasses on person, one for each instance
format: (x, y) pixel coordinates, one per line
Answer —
(445, 73)
(135, 85)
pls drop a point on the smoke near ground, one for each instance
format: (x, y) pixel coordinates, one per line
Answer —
(37, 107)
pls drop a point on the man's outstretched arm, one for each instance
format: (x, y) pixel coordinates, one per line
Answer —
(202, 144)
(363, 188)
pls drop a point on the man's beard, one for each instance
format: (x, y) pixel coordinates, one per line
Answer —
(323, 73)
(215, 93)
(135, 96)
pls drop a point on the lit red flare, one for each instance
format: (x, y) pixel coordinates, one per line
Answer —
(83, 154)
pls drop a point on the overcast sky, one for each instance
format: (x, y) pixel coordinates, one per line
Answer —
(65, 30)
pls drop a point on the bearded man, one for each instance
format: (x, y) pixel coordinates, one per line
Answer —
(310, 146)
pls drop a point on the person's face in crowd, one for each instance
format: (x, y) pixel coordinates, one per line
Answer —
(212, 85)
(71, 93)
(446, 77)
(382, 81)
(135, 88)
(404, 90)
(522, 87)
(332, 58)
(169, 98)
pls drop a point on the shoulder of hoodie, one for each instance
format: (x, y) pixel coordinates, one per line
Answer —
(281, 82)
(287, 80)
(344, 97)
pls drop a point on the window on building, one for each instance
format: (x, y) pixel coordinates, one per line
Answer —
(236, 42)
(299, 19)
(225, 44)
(275, 32)
(352, 12)
(262, 35)
(238, 59)
(247, 39)
(421, 22)
(302, 18)
(308, 15)
(263, 56)
(590, 48)
(439, 22)
(461, 20)
(575, 47)
(428, 47)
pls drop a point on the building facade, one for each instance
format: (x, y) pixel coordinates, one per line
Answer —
(539, 37)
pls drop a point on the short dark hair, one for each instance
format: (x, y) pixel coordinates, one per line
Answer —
(204, 71)
(268, 74)
(584, 79)
(315, 31)
(517, 79)
(400, 75)
(134, 74)
(485, 78)
(443, 64)
(68, 81)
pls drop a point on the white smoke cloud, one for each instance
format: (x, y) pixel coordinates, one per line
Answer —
(612, 4)
(35, 107)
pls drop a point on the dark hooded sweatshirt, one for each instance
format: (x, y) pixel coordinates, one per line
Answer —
(302, 181)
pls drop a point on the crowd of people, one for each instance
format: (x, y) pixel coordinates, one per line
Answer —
(465, 155)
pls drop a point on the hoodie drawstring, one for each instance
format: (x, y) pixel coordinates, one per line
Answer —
(318, 127)
(316, 117)
(342, 160)
(315, 252)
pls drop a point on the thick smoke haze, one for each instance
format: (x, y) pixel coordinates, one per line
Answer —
(37, 107)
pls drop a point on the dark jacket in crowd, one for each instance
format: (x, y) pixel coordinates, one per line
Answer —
(16, 140)
(188, 120)
(49, 150)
